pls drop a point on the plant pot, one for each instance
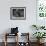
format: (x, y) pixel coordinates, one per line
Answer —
(40, 40)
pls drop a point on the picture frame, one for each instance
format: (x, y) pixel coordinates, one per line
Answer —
(18, 13)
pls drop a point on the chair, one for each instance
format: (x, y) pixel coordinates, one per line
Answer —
(26, 41)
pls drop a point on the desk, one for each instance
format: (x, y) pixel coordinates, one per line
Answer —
(17, 43)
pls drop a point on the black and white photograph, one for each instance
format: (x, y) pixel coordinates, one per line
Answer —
(17, 13)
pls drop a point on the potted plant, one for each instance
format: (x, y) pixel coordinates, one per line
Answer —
(39, 35)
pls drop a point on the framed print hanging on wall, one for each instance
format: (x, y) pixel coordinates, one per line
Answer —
(17, 13)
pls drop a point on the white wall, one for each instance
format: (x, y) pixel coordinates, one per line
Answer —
(24, 25)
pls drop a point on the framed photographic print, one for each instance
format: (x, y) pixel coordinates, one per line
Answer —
(17, 13)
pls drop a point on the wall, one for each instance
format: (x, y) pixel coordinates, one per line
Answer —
(24, 25)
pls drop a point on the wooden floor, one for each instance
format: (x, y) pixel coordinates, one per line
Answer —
(13, 44)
